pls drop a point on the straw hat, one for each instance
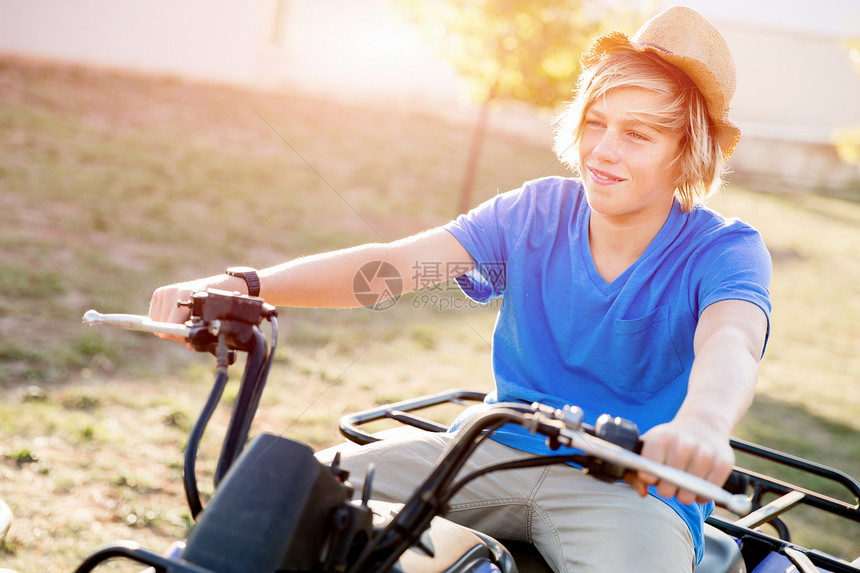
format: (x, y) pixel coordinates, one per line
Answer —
(684, 38)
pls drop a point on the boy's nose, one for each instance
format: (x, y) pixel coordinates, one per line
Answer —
(606, 148)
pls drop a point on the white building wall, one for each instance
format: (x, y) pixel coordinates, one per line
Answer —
(794, 90)
(793, 85)
(796, 84)
(199, 38)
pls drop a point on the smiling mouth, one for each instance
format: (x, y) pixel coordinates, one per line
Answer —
(603, 176)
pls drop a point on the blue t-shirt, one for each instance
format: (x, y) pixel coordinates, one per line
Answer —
(565, 336)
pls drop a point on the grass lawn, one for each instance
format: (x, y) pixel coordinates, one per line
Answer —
(113, 184)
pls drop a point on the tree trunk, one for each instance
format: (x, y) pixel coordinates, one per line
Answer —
(474, 157)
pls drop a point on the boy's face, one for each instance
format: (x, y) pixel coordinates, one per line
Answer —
(628, 167)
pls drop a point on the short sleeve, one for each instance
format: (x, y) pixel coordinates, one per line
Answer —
(487, 232)
(739, 267)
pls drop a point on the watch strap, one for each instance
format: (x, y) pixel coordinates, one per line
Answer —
(250, 276)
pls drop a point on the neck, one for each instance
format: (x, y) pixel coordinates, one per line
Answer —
(617, 242)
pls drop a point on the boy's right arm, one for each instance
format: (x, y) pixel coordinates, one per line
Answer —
(326, 280)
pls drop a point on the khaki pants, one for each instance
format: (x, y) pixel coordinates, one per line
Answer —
(578, 523)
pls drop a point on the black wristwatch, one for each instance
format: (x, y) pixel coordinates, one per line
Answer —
(250, 276)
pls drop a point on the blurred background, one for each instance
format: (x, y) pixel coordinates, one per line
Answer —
(797, 62)
(143, 143)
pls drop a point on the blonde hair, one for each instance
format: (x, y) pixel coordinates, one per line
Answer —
(685, 114)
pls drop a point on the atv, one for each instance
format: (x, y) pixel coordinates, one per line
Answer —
(275, 507)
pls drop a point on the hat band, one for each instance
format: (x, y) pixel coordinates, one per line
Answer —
(649, 45)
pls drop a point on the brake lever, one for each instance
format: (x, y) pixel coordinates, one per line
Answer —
(135, 322)
(738, 503)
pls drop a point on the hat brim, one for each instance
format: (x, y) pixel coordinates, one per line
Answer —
(726, 133)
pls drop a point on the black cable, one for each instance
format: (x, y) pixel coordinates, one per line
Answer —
(263, 377)
(240, 420)
(192, 494)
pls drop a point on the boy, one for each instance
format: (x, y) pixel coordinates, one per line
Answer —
(622, 294)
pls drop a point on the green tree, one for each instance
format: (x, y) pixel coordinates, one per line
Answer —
(514, 50)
